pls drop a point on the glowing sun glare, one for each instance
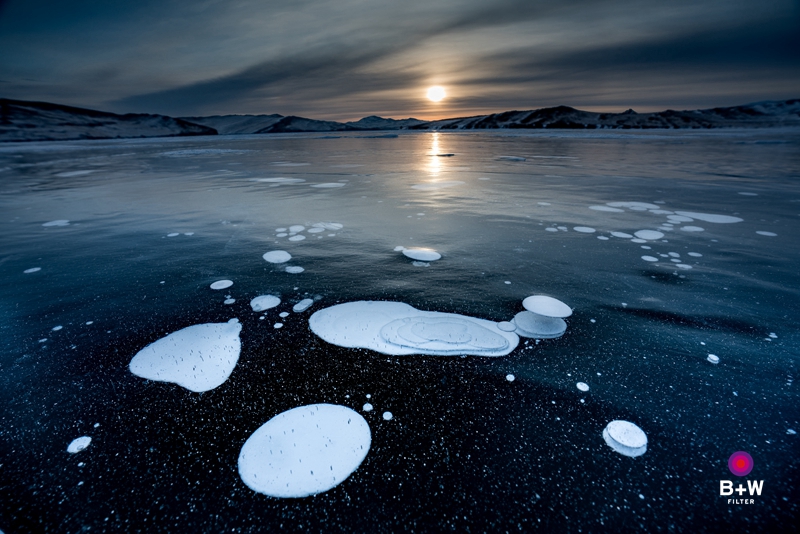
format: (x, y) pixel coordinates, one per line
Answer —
(436, 93)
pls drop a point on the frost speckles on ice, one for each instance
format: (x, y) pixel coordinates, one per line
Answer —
(625, 438)
(277, 256)
(59, 222)
(199, 357)
(221, 284)
(304, 451)
(78, 444)
(421, 254)
(302, 306)
(264, 302)
(396, 328)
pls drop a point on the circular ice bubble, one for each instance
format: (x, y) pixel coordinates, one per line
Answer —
(695, 254)
(328, 226)
(277, 325)
(625, 438)
(649, 258)
(264, 302)
(547, 306)
(229, 301)
(713, 358)
(648, 234)
(421, 254)
(59, 222)
(606, 208)
(584, 229)
(768, 234)
(294, 269)
(710, 217)
(283, 314)
(367, 407)
(583, 386)
(78, 444)
(277, 256)
(302, 306)
(297, 228)
(692, 229)
(304, 451)
(221, 284)
(32, 270)
(537, 326)
(621, 235)
(506, 326)
(387, 416)
(297, 238)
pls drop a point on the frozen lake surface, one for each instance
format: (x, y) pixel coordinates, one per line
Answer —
(676, 252)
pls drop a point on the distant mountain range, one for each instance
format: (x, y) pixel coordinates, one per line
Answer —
(40, 121)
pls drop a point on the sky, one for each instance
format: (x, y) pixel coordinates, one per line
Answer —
(346, 59)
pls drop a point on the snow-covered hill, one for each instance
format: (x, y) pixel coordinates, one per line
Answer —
(236, 124)
(374, 122)
(40, 121)
(760, 114)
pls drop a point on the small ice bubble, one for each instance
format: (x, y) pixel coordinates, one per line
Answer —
(315, 230)
(221, 284)
(420, 264)
(283, 314)
(57, 328)
(625, 438)
(791, 432)
(637, 240)
(645, 247)
(188, 233)
(649, 258)
(278, 325)
(387, 416)
(506, 326)
(547, 306)
(562, 228)
(264, 302)
(294, 269)
(674, 254)
(692, 229)
(768, 234)
(89, 322)
(303, 305)
(282, 234)
(641, 496)
(624, 304)
(584, 229)
(229, 301)
(695, 254)
(507, 282)
(78, 444)
(297, 238)
(297, 228)
(551, 229)
(32, 270)
(369, 395)
(367, 407)
(606, 208)
(773, 335)
(621, 235)
(602, 238)
(421, 254)
(648, 234)
(510, 377)
(675, 260)
(173, 234)
(583, 386)
(277, 256)
(43, 340)
(592, 321)
(328, 185)
(399, 248)
(59, 222)
(683, 266)
(281, 229)
(713, 358)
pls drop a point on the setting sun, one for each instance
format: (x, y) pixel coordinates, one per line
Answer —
(436, 93)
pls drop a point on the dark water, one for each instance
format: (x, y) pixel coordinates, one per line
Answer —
(467, 451)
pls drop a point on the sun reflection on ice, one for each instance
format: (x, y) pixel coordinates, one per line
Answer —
(435, 164)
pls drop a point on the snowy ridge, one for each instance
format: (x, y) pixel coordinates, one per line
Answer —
(760, 114)
(40, 121)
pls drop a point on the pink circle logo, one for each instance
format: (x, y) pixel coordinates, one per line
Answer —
(740, 463)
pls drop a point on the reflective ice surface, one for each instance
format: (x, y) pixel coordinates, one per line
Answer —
(124, 255)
